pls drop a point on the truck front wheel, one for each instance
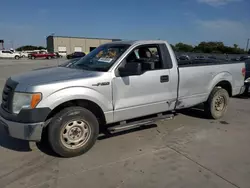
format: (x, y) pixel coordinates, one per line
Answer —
(217, 103)
(73, 131)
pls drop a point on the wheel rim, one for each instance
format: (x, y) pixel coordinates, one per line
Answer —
(75, 134)
(220, 103)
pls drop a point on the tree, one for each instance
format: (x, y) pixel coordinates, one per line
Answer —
(236, 46)
(249, 51)
(173, 47)
(30, 47)
(181, 47)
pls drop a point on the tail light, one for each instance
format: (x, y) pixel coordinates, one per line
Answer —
(243, 71)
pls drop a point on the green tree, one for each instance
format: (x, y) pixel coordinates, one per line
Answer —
(30, 47)
(249, 51)
(236, 46)
(181, 47)
(173, 47)
(209, 47)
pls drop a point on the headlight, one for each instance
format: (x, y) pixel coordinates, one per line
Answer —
(25, 100)
(247, 80)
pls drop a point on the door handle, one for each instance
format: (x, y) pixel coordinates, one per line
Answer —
(164, 78)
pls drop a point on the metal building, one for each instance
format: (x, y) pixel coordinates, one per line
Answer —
(67, 45)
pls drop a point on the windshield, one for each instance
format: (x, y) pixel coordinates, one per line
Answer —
(101, 58)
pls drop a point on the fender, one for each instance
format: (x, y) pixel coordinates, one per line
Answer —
(76, 93)
(222, 76)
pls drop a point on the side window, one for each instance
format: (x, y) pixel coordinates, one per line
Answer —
(148, 56)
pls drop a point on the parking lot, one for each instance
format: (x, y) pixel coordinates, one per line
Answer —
(189, 151)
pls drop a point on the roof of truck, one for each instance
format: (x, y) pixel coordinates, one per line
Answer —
(131, 42)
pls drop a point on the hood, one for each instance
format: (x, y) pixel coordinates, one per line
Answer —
(52, 75)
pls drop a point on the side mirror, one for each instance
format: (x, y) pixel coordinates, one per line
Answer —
(130, 69)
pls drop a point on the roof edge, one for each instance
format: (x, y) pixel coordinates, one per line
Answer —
(58, 36)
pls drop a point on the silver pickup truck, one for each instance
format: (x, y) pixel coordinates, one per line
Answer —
(118, 85)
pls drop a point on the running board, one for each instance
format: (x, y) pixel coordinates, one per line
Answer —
(124, 125)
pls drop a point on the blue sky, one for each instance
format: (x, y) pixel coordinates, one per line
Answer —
(190, 21)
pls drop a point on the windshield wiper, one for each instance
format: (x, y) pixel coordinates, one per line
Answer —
(81, 66)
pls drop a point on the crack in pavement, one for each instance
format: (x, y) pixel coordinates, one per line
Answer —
(202, 166)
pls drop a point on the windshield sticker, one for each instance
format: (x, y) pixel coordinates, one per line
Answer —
(106, 60)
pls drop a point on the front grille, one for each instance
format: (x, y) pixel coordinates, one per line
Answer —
(7, 95)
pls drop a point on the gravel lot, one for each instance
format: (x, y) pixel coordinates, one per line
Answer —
(189, 151)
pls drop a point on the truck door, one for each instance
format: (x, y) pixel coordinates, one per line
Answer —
(146, 93)
(7, 54)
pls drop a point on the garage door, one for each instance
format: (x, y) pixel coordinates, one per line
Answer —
(78, 49)
(62, 49)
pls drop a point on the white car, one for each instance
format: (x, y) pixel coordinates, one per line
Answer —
(9, 54)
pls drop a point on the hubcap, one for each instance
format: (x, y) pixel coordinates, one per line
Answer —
(220, 103)
(75, 134)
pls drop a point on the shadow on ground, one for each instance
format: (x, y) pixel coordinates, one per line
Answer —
(13, 144)
(243, 96)
(104, 134)
(196, 112)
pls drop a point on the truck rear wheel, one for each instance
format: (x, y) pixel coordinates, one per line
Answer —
(73, 131)
(217, 103)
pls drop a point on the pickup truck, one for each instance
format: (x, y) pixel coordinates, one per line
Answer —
(9, 54)
(42, 55)
(117, 86)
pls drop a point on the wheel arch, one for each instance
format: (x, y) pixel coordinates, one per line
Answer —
(89, 105)
(223, 80)
(225, 84)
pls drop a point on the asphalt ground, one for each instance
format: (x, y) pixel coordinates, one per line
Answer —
(189, 151)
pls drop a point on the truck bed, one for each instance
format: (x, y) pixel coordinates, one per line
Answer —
(198, 77)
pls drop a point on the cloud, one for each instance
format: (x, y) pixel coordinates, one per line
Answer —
(217, 3)
(228, 31)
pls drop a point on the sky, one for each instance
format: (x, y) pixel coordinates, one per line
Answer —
(28, 22)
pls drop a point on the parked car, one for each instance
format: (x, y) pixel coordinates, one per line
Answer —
(184, 57)
(247, 78)
(58, 55)
(200, 57)
(24, 54)
(243, 58)
(212, 57)
(41, 55)
(119, 85)
(9, 54)
(235, 59)
(76, 55)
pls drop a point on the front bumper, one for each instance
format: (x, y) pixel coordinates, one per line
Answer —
(24, 131)
(27, 125)
(247, 85)
(242, 90)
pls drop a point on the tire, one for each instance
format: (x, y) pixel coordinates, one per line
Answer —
(17, 57)
(32, 57)
(48, 57)
(67, 126)
(217, 103)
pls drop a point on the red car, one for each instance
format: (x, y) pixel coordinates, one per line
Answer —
(41, 55)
